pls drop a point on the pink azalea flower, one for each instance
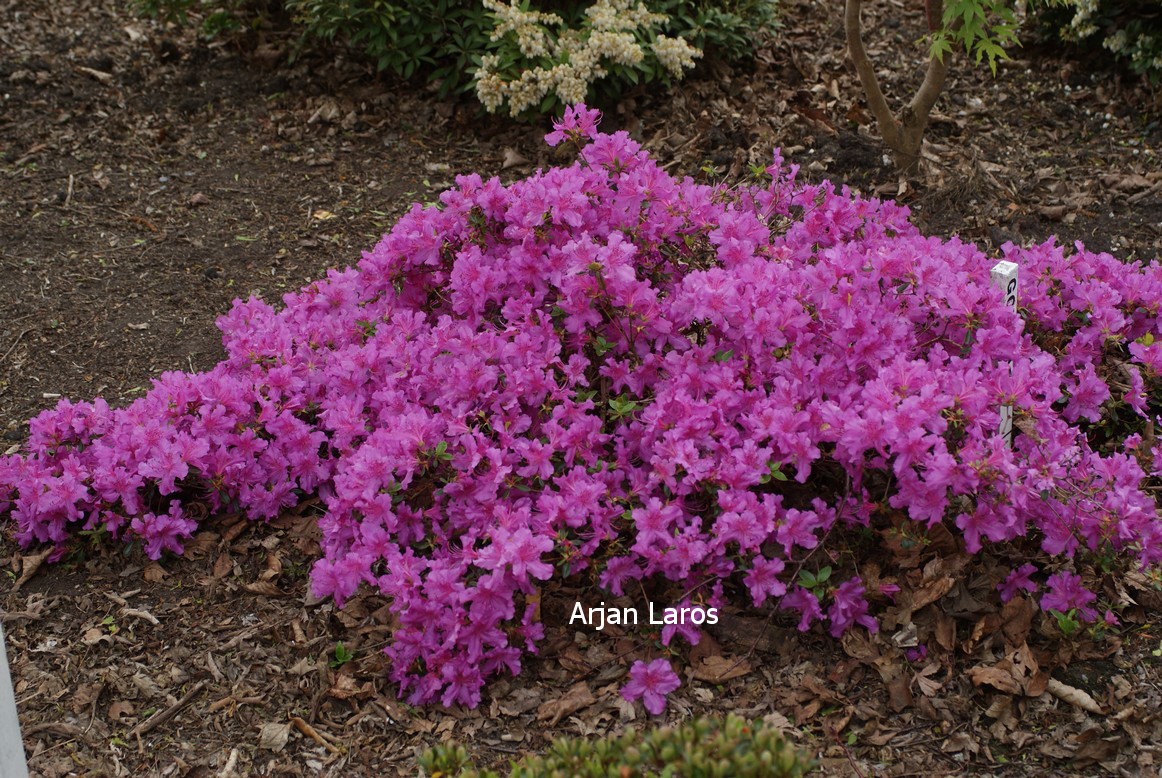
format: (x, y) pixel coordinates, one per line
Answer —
(651, 683)
(1017, 580)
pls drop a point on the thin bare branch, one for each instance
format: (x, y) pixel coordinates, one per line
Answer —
(889, 127)
(921, 105)
(902, 135)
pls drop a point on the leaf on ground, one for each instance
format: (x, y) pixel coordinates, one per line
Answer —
(223, 565)
(1017, 673)
(899, 693)
(718, 668)
(578, 697)
(154, 573)
(945, 631)
(513, 158)
(86, 695)
(1074, 696)
(201, 544)
(1017, 616)
(1025, 669)
(929, 685)
(858, 645)
(273, 736)
(28, 566)
(521, 700)
(1001, 709)
(961, 741)
(345, 688)
(273, 567)
(931, 592)
(120, 708)
(95, 635)
(779, 722)
(996, 677)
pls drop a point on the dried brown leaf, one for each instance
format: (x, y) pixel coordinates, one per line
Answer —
(997, 677)
(899, 693)
(29, 564)
(95, 635)
(120, 708)
(718, 668)
(223, 565)
(578, 697)
(345, 687)
(945, 631)
(154, 573)
(1074, 696)
(273, 736)
(201, 544)
(265, 588)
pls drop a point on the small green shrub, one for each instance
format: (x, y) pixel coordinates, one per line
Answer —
(1131, 30)
(215, 17)
(704, 748)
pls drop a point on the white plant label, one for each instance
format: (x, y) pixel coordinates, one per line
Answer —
(1004, 278)
(12, 764)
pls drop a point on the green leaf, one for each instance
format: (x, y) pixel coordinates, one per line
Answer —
(342, 655)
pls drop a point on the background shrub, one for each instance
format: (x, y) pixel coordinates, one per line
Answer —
(705, 747)
(214, 17)
(1130, 30)
(445, 42)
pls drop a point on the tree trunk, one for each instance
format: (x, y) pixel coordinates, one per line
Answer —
(904, 136)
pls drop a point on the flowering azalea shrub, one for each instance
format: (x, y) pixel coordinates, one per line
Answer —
(605, 371)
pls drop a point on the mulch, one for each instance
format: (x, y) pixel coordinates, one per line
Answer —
(149, 179)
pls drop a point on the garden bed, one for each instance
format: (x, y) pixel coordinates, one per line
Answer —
(149, 185)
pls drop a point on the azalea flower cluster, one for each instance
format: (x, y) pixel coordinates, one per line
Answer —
(603, 370)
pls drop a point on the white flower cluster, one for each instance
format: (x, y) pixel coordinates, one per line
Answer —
(1082, 24)
(675, 54)
(622, 15)
(608, 36)
(529, 26)
(1139, 49)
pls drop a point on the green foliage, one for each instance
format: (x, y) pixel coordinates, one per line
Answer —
(703, 748)
(444, 42)
(441, 39)
(983, 27)
(775, 474)
(1066, 622)
(216, 17)
(816, 583)
(725, 28)
(1129, 30)
(343, 655)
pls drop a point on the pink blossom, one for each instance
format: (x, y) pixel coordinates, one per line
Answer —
(1017, 580)
(1065, 592)
(651, 683)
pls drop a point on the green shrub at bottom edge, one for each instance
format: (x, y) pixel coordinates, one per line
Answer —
(702, 748)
